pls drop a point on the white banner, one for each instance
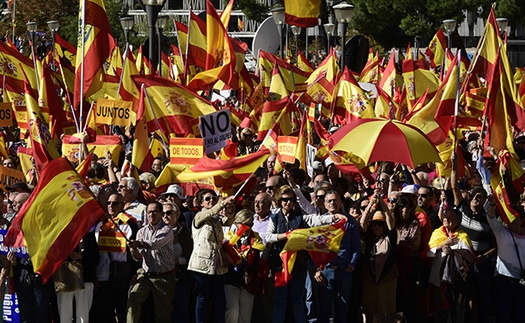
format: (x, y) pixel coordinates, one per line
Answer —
(215, 129)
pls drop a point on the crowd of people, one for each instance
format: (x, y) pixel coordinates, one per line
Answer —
(416, 246)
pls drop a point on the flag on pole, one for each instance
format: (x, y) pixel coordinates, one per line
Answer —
(56, 216)
(302, 13)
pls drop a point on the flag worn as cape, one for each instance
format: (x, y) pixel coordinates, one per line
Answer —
(56, 216)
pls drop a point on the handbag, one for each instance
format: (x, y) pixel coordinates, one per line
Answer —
(69, 277)
(252, 283)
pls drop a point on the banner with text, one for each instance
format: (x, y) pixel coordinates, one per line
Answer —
(6, 114)
(215, 129)
(185, 151)
(287, 147)
(111, 241)
(9, 176)
(20, 252)
(114, 112)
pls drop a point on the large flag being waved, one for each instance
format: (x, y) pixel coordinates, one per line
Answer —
(174, 108)
(268, 61)
(56, 216)
(436, 49)
(418, 80)
(302, 13)
(226, 174)
(351, 100)
(322, 243)
(13, 65)
(485, 60)
(141, 156)
(98, 43)
(322, 81)
(276, 115)
(507, 182)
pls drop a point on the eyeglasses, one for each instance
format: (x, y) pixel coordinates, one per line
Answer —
(422, 195)
(247, 135)
(286, 199)
(320, 197)
(363, 207)
(392, 201)
(270, 188)
(210, 198)
(168, 212)
(113, 203)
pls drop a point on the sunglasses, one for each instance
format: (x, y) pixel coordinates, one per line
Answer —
(113, 203)
(377, 223)
(247, 135)
(210, 198)
(422, 195)
(363, 207)
(270, 188)
(168, 212)
(392, 201)
(122, 187)
(286, 199)
(320, 197)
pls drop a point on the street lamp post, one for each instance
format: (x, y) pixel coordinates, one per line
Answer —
(329, 29)
(502, 25)
(153, 7)
(343, 14)
(161, 24)
(296, 31)
(127, 24)
(450, 26)
(31, 27)
(278, 18)
(53, 28)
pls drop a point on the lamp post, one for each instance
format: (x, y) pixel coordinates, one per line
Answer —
(161, 24)
(502, 25)
(450, 26)
(152, 8)
(296, 31)
(31, 27)
(53, 28)
(127, 24)
(343, 14)
(329, 29)
(278, 18)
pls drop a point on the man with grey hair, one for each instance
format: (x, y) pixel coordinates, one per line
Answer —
(129, 189)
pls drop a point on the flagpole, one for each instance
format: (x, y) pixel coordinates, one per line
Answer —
(185, 61)
(13, 17)
(122, 74)
(83, 34)
(456, 104)
(178, 43)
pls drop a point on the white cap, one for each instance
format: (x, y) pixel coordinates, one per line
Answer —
(328, 161)
(317, 165)
(410, 189)
(175, 189)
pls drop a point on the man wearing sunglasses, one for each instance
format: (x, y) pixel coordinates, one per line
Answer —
(129, 189)
(425, 200)
(115, 269)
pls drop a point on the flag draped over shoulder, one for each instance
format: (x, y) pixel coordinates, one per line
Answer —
(302, 13)
(322, 243)
(56, 216)
(98, 43)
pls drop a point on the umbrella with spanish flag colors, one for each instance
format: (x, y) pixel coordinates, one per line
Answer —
(377, 139)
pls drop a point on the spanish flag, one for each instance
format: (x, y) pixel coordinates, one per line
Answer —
(322, 243)
(302, 13)
(507, 182)
(436, 49)
(98, 43)
(56, 216)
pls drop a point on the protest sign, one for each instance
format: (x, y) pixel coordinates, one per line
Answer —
(287, 148)
(9, 176)
(185, 151)
(215, 129)
(6, 114)
(113, 112)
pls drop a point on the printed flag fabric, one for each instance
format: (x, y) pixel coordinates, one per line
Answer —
(322, 243)
(98, 43)
(55, 217)
(436, 49)
(507, 182)
(302, 13)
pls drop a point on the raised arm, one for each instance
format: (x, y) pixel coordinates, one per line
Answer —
(458, 198)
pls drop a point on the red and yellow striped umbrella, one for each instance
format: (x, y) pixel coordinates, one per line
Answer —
(385, 140)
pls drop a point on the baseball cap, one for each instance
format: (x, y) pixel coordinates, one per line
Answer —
(410, 189)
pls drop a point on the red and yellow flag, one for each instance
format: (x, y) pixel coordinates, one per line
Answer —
(56, 216)
(98, 43)
(322, 243)
(302, 13)
(507, 182)
(436, 49)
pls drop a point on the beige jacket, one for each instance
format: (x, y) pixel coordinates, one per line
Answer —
(207, 240)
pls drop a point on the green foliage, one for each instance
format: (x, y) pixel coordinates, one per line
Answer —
(513, 10)
(252, 9)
